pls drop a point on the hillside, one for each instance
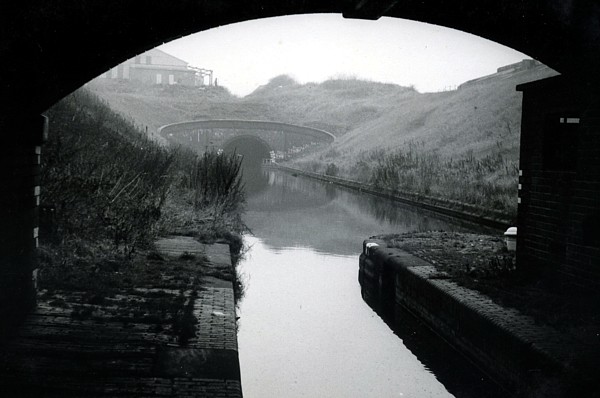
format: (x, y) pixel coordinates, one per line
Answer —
(338, 106)
(154, 106)
(477, 117)
(461, 145)
(364, 115)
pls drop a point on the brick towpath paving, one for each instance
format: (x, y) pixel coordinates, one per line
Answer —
(118, 350)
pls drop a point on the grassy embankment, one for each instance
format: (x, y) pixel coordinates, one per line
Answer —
(150, 107)
(109, 191)
(461, 145)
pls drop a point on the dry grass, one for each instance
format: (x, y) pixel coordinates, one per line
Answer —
(364, 115)
(109, 191)
(489, 182)
(102, 177)
(466, 141)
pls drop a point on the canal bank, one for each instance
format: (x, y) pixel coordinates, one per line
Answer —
(528, 359)
(166, 327)
(463, 211)
(305, 329)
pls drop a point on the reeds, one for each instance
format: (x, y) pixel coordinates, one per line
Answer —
(216, 181)
(102, 177)
(489, 182)
(105, 180)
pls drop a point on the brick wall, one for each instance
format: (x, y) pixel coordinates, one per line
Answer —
(509, 347)
(19, 177)
(559, 209)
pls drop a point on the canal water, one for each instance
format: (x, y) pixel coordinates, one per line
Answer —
(305, 329)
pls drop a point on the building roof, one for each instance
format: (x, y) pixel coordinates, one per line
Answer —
(163, 58)
(158, 58)
(176, 68)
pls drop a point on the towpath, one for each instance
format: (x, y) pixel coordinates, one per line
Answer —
(174, 336)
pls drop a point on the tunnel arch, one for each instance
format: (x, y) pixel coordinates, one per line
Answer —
(253, 151)
(565, 36)
(249, 146)
(238, 124)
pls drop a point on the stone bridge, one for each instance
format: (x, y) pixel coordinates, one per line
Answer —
(248, 137)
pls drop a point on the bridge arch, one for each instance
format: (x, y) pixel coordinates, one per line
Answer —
(282, 138)
(238, 124)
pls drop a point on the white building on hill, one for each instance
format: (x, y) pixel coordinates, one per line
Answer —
(158, 67)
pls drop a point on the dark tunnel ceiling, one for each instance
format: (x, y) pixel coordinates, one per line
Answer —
(53, 48)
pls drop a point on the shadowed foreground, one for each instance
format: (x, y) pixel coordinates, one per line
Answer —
(173, 337)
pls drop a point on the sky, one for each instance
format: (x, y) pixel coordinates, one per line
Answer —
(317, 47)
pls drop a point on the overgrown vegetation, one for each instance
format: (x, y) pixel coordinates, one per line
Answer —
(461, 144)
(105, 181)
(488, 182)
(216, 181)
(207, 199)
(331, 170)
(108, 192)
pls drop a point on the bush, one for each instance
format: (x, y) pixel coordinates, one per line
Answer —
(103, 177)
(105, 181)
(332, 170)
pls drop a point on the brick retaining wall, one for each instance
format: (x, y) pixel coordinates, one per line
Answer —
(525, 358)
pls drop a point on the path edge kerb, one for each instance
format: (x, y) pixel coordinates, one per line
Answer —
(469, 321)
(215, 338)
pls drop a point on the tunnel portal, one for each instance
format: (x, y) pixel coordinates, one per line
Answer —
(253, 149)
(283, 139)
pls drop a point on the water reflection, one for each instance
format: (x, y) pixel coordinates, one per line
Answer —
(305, 330)
(255, 179)
(307, 213)
(459, 376)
